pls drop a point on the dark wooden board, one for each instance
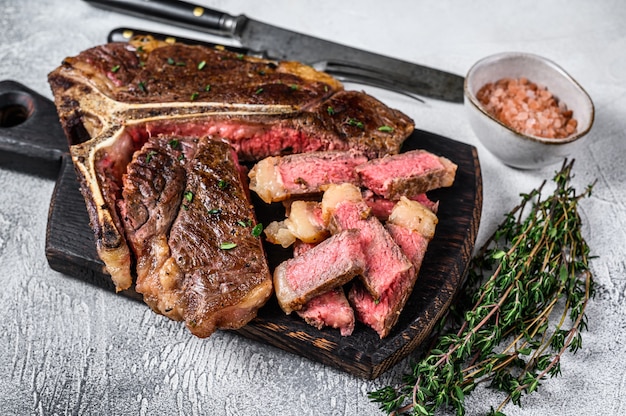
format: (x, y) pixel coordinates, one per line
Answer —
(70, 249)
(31, 138)
(32, 141)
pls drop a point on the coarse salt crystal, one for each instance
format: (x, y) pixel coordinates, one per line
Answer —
(527, 108)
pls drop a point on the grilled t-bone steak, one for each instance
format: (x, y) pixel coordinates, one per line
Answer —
(121, 105)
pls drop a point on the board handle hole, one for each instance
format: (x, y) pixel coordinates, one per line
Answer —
(15, 109)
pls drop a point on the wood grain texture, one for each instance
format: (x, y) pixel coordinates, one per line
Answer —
(70, 249)
(31, 138)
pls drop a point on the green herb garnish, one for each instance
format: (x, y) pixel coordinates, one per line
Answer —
(194, 96)
(330, 110)
(257, 230)
(521, 308)
(115, 68)
(387, 129)
(207, 88)
(202, 64)
(214, 211)
(259, 91)
(356, 123)
(222, 184)
(170, 61)
(142, 86)
(228, 245)
(174, 143)
(149, 155)
(188, 195)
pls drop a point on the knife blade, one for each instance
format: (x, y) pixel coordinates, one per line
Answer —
(282, 44)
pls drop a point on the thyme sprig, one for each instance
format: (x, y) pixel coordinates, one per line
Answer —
(521, 308)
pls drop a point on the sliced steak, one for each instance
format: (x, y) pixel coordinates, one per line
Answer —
(226, 277)
(385, 262)
(188, 221)
(411, 226)
(407, 174)
(279, 178)
(328, 265)
(152, 194)
(330, 309)
(382, 207)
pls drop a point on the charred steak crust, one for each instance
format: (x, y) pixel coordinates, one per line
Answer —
(190, 223)
(151, 199)
(227, 277)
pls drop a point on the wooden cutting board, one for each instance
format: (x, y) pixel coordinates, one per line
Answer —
(70, 249)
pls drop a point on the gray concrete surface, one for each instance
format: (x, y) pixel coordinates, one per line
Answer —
(68, 348)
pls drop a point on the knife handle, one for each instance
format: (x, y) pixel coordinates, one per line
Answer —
(124, 34)
(179, 13)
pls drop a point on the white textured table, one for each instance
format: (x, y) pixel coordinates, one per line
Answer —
(68, 348)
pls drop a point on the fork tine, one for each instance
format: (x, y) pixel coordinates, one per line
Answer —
(375, 83)
(370, 72)
(350, 72)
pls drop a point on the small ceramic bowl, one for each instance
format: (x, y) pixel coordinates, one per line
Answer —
(513, 148)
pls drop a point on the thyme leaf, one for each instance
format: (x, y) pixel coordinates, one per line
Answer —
(356, 123)
(149, 155)
(222, 184)
(257, 230)
(228, 245)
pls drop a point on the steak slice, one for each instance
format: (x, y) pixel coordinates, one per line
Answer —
(407, 174)
(385, 262)
(279, 178)
(226, 274)
(113, 98)
(330, 309)
(382, 207)
(328, 265)
(189, 222)
(411, 226)
(152, 195)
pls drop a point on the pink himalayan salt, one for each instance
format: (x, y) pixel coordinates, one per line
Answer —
(527, 108)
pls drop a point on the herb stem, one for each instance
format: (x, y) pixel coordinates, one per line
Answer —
(521, 309)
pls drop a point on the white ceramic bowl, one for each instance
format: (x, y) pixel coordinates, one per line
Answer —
(511, 147)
